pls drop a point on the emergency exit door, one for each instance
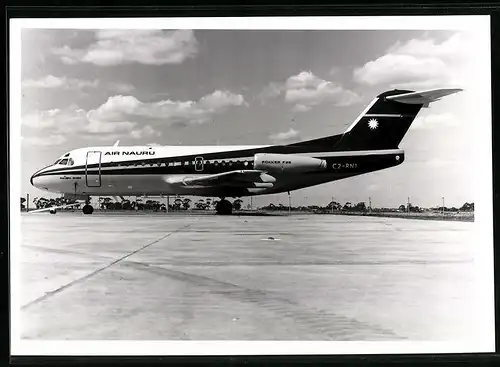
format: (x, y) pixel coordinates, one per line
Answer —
(93, 169)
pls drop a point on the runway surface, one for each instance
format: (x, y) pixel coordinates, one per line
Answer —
(206, 277)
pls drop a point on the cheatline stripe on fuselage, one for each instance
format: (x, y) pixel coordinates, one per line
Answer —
(119, 167)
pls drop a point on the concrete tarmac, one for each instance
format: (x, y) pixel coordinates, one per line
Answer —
(207, 277)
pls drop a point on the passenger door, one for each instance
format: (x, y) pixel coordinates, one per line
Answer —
(198, 164)
(93, 169)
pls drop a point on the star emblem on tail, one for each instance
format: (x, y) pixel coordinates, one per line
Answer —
(372, 124)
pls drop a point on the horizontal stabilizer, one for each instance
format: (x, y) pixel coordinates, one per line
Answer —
(424, 97)
(52, 208)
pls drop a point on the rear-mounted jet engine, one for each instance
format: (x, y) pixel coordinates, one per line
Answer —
(288, 163)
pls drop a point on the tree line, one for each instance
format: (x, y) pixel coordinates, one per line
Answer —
(106, 203)
(178, 204)
(360, 207)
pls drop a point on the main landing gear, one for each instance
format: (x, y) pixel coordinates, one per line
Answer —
(224, 207)
(87, 209)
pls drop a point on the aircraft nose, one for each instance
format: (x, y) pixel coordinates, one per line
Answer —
(35, 177)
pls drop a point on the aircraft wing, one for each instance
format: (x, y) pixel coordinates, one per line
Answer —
(424, 97)
(52, 208)
(239, 178)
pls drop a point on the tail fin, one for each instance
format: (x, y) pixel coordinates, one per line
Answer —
(386, 120)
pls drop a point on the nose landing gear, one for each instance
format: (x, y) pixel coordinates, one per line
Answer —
(87, 208)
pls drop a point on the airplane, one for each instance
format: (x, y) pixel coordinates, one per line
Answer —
(369, 144)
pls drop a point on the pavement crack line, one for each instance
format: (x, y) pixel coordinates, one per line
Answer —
(330, 324)
(82, 279)
(68, 252)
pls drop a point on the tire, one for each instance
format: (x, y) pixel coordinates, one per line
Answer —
(52, 211)
(87, 209)
(224, 207)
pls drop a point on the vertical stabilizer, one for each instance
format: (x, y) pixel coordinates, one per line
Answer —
(387, 119)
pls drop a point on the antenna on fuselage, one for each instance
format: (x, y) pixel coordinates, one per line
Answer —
(116, 144)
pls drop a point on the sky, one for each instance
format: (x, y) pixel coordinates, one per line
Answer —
(228, 87)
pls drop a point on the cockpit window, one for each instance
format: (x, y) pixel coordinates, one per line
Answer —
(65, 160)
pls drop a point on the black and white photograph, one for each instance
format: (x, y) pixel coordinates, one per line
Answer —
(251, 185)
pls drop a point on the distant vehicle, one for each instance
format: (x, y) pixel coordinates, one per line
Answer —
(371, 143)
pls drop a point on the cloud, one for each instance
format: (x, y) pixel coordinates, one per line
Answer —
(51, 140)
(125, 108)
(304, 79)
(40, 120)
(286, 136)
(128, 116)
(66, 121)
(273, 90)
(116, 47)
(54, 82)
(145, 132)
(305, 91)
(417, 63)
(300, 108)
(121, 87)
(435, 120)
(73, 121)
(219, 100)
(335, 70)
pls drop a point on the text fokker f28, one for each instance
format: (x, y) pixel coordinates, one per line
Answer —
(371, 143)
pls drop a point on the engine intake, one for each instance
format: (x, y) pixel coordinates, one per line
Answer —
(289, 163)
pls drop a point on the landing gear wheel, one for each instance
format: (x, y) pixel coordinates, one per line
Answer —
(52, 211)
(87, 209)
(224, 207)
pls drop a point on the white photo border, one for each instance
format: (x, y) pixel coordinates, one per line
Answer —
(482, 172)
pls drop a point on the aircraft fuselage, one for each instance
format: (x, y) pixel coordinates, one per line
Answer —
(135, 171)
